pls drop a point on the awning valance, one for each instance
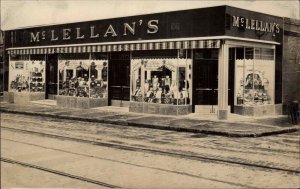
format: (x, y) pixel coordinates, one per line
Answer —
(188, 44)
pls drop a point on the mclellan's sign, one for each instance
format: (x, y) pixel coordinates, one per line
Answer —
(66, 33)
(257, 25)
(203, 22)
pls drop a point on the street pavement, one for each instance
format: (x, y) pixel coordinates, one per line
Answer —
(235, 126)
(223, 162)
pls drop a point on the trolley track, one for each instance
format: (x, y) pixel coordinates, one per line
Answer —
(96, 182)
(132, 164)
(154, 151)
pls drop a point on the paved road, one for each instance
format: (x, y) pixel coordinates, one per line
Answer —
(136, 157)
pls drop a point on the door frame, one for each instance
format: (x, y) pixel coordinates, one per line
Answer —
(49, 62)
(212, 88)
(117, 56)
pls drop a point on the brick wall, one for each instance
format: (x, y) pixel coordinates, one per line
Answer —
(291, 61)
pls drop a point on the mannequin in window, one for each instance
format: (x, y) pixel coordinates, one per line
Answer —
(167, 81)
(147, 85)
(257, 82)
(155, 83)
(138, 82)
(174, 90)
(94, 71)
(80, 71)
(158, 95)
(104, 71)
(136, 92)
(249, 81)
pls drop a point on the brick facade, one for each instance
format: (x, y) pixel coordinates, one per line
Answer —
(291, 61)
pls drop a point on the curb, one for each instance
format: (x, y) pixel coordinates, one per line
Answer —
(159, 127)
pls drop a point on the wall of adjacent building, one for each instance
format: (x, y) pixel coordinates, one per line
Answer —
(291, 61)
(1, 62)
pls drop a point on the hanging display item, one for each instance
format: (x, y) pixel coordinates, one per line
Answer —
(83, 78)
(27, 76)
(164, 81)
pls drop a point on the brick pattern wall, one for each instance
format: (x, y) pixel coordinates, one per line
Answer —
(291, 61)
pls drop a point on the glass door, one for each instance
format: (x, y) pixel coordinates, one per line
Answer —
(51, 75)
(119, 80)
(206, 83)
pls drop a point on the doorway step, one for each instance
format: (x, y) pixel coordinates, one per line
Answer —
(207, 109)
(120, 103)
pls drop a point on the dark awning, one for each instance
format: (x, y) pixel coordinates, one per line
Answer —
(188, 44)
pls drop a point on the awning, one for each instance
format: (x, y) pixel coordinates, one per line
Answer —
(188, 44)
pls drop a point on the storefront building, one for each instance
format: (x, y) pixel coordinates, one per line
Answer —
(210, 60)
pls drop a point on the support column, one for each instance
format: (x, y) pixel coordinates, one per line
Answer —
(223, 83)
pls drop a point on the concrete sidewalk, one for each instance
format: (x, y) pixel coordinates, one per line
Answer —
(235, 126)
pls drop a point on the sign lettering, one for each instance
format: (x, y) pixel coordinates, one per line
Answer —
(257, 25)
(153, 25)
(129, 28)
(67, 33)
(35, 38)
(78, 34)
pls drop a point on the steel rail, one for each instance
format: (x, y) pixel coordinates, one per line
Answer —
(137, 165)
(11, 161)
(147, 150)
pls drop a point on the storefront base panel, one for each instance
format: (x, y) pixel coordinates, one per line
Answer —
(208, 109)
(222, 114)
(52, 97)
(278, 109)
(257, 111)
(80, 102)
(22, 98)
(8, 96)
(120, 103)
(161, 109)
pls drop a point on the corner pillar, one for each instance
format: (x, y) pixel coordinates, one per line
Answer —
(223, 82)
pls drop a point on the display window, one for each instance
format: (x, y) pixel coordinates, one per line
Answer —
(27, 75)
(254, 76)
(163, 81)
(83, 78)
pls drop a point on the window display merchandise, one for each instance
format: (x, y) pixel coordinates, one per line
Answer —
(27, 76)
(162, 81)
(83, 78)
(254, 75)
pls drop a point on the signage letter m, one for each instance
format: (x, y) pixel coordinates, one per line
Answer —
(236, 20)
(35, 38)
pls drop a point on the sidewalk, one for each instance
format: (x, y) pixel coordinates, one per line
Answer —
(235, 126)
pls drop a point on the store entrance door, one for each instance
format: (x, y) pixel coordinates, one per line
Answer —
(119, 81)
(51, 76)
(205, 85)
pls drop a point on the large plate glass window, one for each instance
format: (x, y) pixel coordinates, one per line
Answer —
(26, 75)
(162, 81)
(254, 76)
(83, 77)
